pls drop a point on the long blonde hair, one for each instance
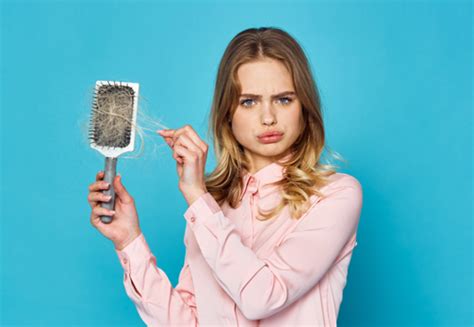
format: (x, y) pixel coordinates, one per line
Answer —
(304, 173)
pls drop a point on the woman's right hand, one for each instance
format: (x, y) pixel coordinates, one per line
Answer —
(124, 227)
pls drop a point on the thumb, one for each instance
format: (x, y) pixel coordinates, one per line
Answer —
(120, 190)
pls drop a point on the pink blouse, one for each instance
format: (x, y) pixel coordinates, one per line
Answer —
(240, 271)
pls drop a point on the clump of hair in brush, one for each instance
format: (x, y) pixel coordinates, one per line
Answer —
(112, 118)
(111, 121)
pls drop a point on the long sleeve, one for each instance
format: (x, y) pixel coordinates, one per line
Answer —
(262, 287)
(157, 302)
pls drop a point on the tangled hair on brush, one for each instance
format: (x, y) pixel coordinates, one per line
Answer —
(112, 120)
(113, 110)
(304, 174)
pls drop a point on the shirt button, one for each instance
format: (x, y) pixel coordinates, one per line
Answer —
(125, 260)
(193, 219)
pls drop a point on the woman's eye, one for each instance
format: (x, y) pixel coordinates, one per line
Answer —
(245, 102)
(249, 102)
(285, 100)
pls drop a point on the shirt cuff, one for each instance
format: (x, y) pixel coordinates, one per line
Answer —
(205, 206)
(134, 254)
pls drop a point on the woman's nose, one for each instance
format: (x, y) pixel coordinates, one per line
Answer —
(268, 114)
(269, 121)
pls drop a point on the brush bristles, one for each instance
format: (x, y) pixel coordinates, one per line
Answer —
(112, 115)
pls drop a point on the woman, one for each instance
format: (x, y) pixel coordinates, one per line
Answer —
(270, 232)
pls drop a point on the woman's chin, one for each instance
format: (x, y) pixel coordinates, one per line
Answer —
(271, 150)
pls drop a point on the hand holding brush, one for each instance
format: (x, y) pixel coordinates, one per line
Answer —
(125, 226)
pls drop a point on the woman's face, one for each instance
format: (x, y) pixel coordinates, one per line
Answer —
(267, 103)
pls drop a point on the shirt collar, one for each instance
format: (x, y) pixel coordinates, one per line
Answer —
(257, 183)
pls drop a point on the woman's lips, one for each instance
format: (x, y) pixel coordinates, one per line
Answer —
(270, 138)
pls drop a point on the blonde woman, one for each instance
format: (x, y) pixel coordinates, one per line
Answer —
(270, 232)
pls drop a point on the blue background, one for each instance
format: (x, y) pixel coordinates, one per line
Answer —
(396, 85)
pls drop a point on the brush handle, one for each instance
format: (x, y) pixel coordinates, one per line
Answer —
(110, 170)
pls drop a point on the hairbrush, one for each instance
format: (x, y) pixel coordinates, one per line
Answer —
(112, 128)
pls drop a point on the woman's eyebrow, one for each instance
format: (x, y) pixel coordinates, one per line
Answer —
(257, 96)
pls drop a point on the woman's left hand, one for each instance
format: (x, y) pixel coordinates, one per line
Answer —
(190, 153)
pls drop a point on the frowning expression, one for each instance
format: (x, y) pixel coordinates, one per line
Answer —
(267, 104)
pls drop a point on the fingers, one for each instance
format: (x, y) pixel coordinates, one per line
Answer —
(171, 136)
(121, 191)
(188, 143)
(95, 194)
(169, 141)
(188, 156)
(168, 135)
(99, 211)
(95, 197)
(184, 147)
(99, 176)
(195, 137)
(99, 185)
(177, 158)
